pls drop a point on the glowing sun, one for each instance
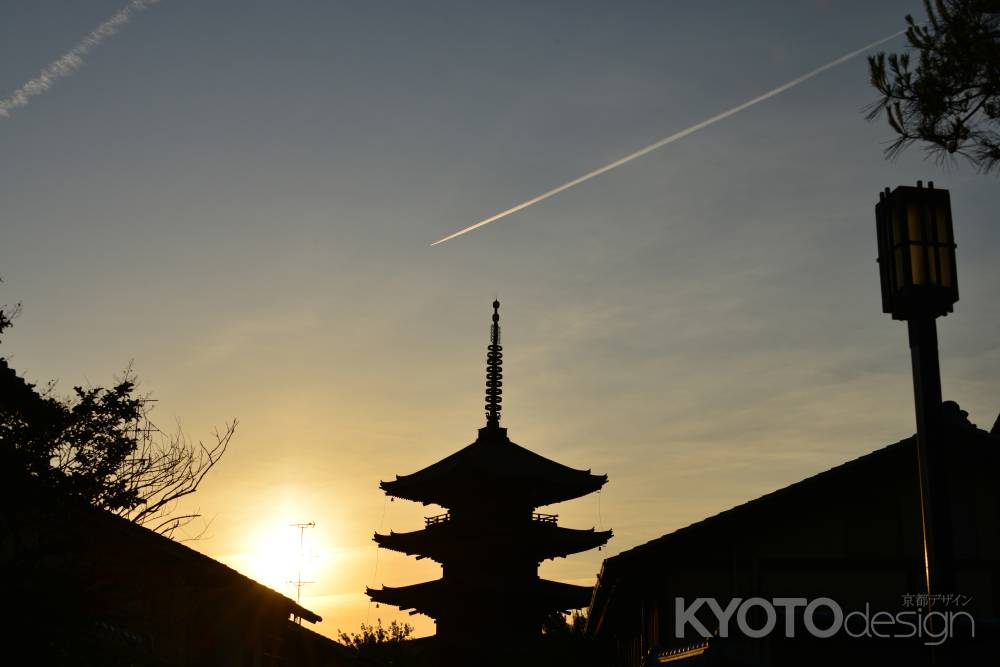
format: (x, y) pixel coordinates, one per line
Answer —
(279, 556)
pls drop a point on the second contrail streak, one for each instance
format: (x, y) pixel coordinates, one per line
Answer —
(672, 138)
(72, 60)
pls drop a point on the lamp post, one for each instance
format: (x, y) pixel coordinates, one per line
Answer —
(916, 258)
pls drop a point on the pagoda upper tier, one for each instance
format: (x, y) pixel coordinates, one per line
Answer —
(494, 467)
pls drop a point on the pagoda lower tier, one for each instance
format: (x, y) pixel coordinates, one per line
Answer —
(445, 540)
(464, 607)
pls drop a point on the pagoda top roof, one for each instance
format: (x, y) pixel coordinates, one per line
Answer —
(493, 466)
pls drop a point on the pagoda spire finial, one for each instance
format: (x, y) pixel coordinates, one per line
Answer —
(494, 368)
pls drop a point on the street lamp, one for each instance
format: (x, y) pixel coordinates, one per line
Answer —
(916, 258)
(916, 252)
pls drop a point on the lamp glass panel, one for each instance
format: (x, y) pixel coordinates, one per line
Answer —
(932, 265)
(913, 225)
(947, 272)
(941, 224)
(900, 277)
(897, 241)
(918, 264)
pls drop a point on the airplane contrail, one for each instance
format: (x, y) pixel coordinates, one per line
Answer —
(72, 60)
(672, 138)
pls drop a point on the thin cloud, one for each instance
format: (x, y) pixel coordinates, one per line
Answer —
(671, 139)
(72, 60)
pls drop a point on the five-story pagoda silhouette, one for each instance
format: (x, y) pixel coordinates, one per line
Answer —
(491, 540)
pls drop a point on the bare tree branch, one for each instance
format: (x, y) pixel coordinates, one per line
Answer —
(165, 469)
(101, 446)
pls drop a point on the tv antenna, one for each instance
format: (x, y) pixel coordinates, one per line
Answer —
(298, 579)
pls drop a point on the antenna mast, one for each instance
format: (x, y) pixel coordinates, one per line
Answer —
(298, 579)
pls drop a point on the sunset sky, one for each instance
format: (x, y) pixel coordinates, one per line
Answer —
(239, 197)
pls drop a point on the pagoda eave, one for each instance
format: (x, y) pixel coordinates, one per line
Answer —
(536, 493)
(496, 466)
(430, 596)
(541, 541)
(405, 602)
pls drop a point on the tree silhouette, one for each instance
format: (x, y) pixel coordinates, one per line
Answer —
(385, 644)
(560, 623)
(100, 446)
(950, 98)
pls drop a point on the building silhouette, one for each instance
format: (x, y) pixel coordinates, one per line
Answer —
(87, 587)
(491, 540)
(850, 534)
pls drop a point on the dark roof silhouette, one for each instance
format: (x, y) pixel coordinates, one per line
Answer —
(968, 446)
(82, 523)
(82, 519)
(94, 588)
(745, 511)
(187, 556)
